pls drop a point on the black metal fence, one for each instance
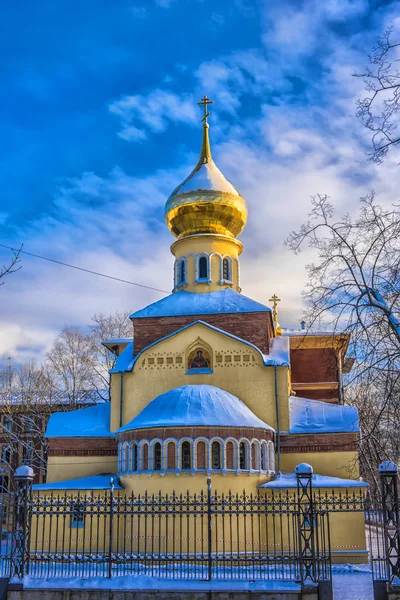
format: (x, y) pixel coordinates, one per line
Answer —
(179, 536)
(270, 535)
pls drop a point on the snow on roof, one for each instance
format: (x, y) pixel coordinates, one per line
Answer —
(315, 416)
(208, 177)
(288, 331)
(94, 482)
(126, 361)
(280, 350)
(86, 422)
(190, 303)
(117, 341)
(196, 405)
(289, 480)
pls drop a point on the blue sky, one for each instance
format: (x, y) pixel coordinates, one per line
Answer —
(99, 123)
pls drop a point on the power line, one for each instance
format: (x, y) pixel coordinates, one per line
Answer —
(58, 262)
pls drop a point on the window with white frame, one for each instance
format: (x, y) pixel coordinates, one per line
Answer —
(203, 267)
(134, 457)
(226, 269)
(216, 462)
(264, 460)
(157, 454)
(243, 455)
(186, 456)
(181, 272)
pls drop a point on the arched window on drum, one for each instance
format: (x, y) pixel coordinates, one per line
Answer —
(216, 455)
(226, 269)
(157, 456)
(186, 456)
(243, 456)
(203, 267)
(134, 457)
(181, 272)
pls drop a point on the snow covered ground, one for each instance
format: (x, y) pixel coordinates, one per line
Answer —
(353, 586)
(350, 582)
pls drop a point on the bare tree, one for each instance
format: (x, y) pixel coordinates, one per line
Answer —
(379, 110)
(109, 327)
(27, 395)
(13, 265)
(354, 287)
(73, 360)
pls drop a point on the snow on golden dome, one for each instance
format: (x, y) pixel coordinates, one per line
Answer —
(205, 202)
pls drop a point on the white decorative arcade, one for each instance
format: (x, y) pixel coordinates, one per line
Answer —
(201, 454)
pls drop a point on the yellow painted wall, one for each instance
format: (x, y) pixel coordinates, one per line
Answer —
(251, 381)
(335, 464)
(60, 468)
(196, 483)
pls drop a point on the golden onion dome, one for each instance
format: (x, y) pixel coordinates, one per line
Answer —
(205, 202)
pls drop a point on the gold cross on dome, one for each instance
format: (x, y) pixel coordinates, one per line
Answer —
(274, 301)
(205, 101)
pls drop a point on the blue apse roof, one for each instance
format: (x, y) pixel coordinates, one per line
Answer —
(93, 482)
(314, 416)
(86, 422)
(189, 303)
(195, 406)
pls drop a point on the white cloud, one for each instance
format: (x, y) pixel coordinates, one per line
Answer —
(152, 112)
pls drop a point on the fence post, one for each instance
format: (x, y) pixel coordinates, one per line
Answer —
(23, 478)
(306, 524)
(111, 528)
(390, 508)
(209, 528)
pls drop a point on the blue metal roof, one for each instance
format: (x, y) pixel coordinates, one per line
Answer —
(189, 303)
(86, 422)
(196, 405)
(315, 416)
(93, 482)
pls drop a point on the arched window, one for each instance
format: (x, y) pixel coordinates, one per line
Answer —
(203, 268)
(242, 455)
(181, 272)
(125, 457)
(263, 457)
(157, 456)
(134, 457)
(226, 271)
(186, 460)
(216, 455)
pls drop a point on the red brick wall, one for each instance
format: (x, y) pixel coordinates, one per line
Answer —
(331, 396)
(253, 327)
(194, 432)
(322, 442)
(83, 447)
(314, 365)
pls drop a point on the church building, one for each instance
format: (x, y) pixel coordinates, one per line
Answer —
(210, 385)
